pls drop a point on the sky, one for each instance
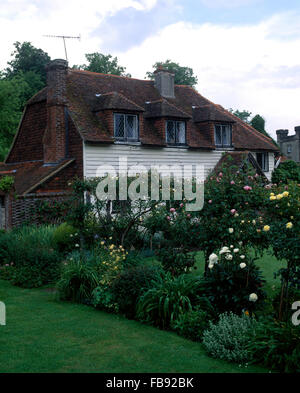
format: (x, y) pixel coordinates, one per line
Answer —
(245, 53)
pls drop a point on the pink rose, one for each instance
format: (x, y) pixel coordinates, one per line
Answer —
(247, 188)
(232, 182)
(220, 174)
(232, 211)
(210, 201)
(168, 218)
(172, 210)
(181, 205)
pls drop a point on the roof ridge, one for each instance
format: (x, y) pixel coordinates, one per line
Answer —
(113, 75)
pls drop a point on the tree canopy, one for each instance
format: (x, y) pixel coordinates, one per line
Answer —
(183, 75)
(24, 77)
(105, 64)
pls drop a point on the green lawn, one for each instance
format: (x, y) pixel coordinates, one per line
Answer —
(44, 335)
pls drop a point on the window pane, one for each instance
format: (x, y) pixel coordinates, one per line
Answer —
(119, 126)
(131, 127)
(218, 135)
(170, 131)
(180, 125)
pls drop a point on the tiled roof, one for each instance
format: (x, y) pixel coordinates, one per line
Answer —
(115, 100)
(210, 112)
(163, 108)
(130, 93)
(29, 175)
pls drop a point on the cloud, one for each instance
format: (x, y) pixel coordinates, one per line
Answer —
(240, 67)
(228, 3)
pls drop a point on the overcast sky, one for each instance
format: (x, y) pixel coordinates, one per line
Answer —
(246, 53)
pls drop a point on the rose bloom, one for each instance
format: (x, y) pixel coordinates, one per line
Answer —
(213, 258)
(253, 297)
(236, 250)
(242, 265)
(232, 211)
(172, 210)
(232, 182)
(210, 201)
(242, 256)
(266, 228)
(228, 257)
(289, 225)
(230, 230)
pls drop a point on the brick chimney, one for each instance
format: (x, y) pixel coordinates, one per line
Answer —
(164, 82)
(56, 131)
(281, 134)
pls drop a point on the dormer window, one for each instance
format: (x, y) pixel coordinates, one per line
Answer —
(175, 132)
(223, 135)
(126, 127)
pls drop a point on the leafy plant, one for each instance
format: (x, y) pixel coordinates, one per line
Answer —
(287, 170)
(233, 283)
(65, 237)
(176, 261)
(130, 284)
(79, 279)
(276, 345)
(228, 338)
(167, 300)
(191, 324)
(6, 183)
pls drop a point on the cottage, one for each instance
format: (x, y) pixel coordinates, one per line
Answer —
(84, 119)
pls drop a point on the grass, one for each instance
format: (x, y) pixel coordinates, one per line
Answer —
(44, 335)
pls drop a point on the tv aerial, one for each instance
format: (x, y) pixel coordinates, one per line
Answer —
(64, 37)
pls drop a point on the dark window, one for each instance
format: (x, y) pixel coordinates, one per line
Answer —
(263, 161)
(175, 132)
(126, 127)
(223, 135)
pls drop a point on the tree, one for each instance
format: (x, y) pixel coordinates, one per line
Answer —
(105, 64)
(27, 58)
(10, 103)
(243, 115)
(183, 75)
(257, 121)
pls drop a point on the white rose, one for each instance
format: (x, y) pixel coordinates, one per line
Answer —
(213, 258)
(230, 230)
(211, 265)
(224, 250)
(231, 246)
(242, 256)
(228, 257)
(240, 243)
(236, 250)
(242, 265)
(76, 245)
(253, 297)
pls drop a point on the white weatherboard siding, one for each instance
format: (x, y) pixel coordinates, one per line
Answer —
(271, 164)
(94, 156)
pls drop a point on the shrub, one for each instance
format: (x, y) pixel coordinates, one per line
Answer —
(176, 261)
(130, 285)
(103, 299)
(31, 252)
(191, 324)
(230, 281)
(275, 345)
(79, 278)
(227, 339)
(65, 237)
(167, 300)
(288, 170)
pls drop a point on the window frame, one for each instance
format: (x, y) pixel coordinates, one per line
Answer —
(265, 160)
(175, 122)
(222, 145)
(125, 138)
